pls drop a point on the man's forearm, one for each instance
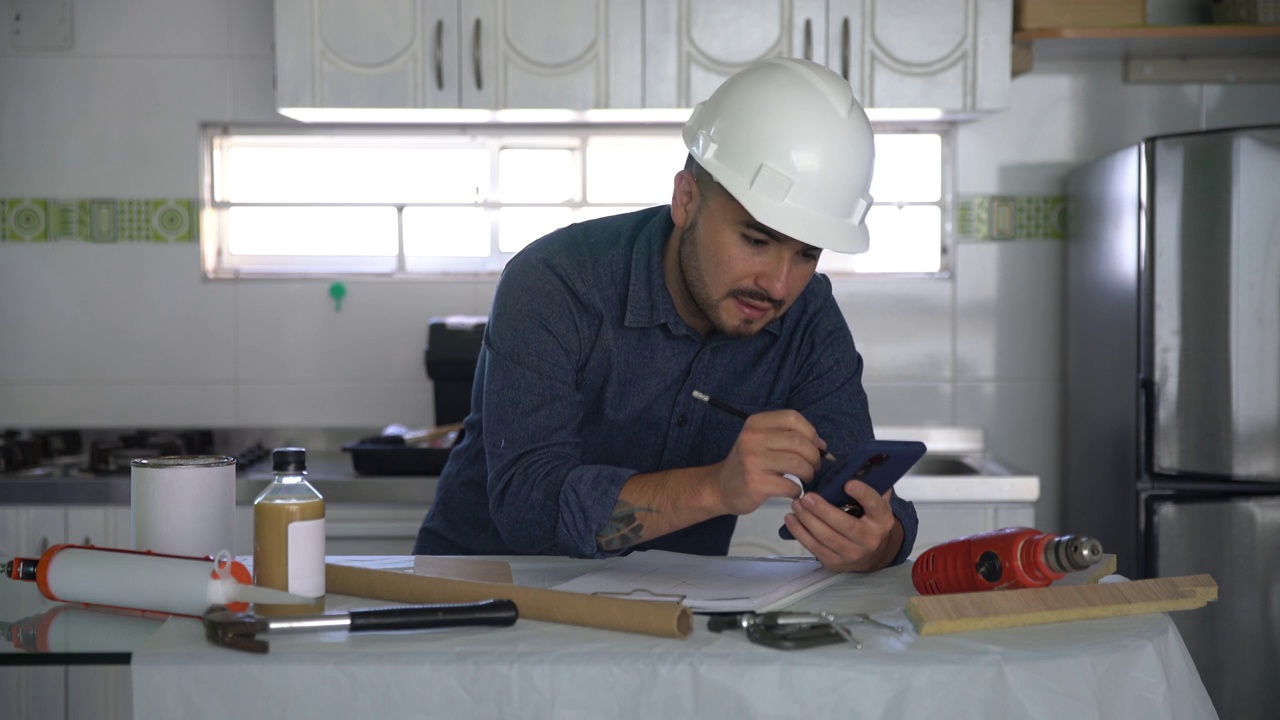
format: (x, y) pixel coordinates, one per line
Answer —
(653, 504)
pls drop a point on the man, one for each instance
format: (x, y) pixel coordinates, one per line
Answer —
(584, 437)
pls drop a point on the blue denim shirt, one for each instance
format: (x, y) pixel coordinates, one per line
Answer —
(586, 376)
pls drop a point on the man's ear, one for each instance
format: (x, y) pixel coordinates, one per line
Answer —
(684, 198)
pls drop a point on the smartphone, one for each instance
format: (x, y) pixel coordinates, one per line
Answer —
(879, 463)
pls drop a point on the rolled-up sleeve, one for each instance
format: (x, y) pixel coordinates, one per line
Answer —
(541, 497)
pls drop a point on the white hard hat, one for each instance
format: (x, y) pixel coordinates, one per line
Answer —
(790, 143)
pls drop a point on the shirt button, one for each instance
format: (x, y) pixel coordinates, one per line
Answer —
(680, 421)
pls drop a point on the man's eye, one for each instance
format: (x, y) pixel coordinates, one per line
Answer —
(751, 240)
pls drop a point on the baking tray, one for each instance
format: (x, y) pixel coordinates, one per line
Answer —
(383, 456)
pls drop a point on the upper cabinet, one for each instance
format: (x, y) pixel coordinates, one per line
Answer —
(953, 55)
(487, 54)
(949, 55)
(691, 46)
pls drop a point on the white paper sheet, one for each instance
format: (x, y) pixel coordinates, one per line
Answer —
(707, 584)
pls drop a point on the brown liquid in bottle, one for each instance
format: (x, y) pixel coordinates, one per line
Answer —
(271, 520)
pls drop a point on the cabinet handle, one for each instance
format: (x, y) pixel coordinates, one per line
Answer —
(439, 54)
(87, 540)
(808, 39)
(844, 49)
(475, 54)
(44, 544)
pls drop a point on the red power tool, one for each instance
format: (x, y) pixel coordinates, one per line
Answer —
(1002, 560)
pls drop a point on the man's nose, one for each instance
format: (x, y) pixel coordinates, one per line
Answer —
(774, 276)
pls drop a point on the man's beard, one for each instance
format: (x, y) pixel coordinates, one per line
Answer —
(695, 282)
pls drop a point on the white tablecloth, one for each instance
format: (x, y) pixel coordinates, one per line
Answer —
(1129, 667)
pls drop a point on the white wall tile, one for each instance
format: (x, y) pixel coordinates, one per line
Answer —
(110, 127)
(106, 405)
(1009, 310)
(79, 314)
(253, 99)
(910, 403)
(1235, 105)
(288, 331)
(370, 405)
(903, 328)
(252, 27)
(151, 27)
(1064, 113)
(1023, 428)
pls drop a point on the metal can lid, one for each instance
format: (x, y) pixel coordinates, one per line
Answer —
(290, 459)
(174, 461)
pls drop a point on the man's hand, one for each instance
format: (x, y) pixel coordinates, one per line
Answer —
(771, 444)
(842, 542)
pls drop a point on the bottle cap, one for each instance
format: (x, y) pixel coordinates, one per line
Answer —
(290, 459)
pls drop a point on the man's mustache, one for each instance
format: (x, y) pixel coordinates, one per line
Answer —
(756, 296)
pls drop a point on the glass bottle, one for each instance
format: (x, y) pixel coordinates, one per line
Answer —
(288, 530)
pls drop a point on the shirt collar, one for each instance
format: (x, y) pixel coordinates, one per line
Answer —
(649, 301)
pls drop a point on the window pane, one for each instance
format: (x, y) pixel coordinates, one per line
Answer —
(446, 232)
(517, 227)
(908, 168)
(356, 174)
(536, 175)
(313, 231)
(633, 169)
(598, 211)
(907, 239)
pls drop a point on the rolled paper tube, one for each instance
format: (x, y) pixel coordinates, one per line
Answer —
(645, 617)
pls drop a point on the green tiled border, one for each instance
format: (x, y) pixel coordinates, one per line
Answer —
(1000, 217)
(37, 220)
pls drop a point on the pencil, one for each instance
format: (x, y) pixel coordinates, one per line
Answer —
(725, 407)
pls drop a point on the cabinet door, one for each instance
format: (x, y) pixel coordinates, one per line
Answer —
(107, 526)
(952, 55)
(27, 531)
(373, 54)
(575, 54)
(691, 46)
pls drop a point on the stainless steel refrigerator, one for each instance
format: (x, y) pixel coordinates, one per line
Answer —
(1172, 386)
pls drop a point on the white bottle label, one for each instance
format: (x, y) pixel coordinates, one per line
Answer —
(306, 558)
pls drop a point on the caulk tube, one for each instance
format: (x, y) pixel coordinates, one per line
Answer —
(143, 580)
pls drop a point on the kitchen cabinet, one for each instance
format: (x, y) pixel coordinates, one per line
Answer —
(950, 55)
(692, 46)
(487, 54)
(99, 525)
(27, 531)
(333, 57)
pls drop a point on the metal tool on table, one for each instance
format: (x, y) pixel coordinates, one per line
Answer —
(1004, 559)
(796, 630)
(240, 630)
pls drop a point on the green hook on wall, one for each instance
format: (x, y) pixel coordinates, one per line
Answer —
(337, 291)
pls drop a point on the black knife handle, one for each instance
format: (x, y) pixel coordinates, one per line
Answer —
(414, 617)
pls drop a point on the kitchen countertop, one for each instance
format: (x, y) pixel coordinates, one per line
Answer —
(334, 477)
(330, 473)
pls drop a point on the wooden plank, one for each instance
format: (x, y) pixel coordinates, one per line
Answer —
(964, 612)
(1150, 32)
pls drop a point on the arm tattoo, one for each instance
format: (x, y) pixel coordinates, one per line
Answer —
(624, 528)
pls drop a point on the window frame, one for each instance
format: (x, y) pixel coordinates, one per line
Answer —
(217, 264)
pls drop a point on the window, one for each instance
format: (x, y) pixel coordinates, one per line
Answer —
(461, 200)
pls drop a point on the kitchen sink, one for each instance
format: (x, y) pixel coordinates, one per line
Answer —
(943, 465)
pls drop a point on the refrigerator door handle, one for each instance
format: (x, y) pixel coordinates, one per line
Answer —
(1147, 408)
